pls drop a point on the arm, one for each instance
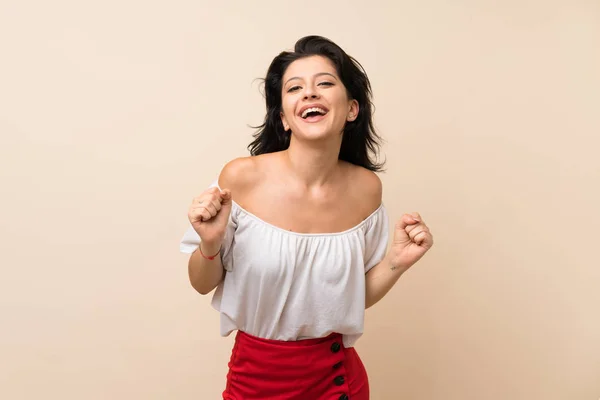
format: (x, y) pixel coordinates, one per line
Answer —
(380, 279)
(205, 274)
(209, 215)
(412, 240)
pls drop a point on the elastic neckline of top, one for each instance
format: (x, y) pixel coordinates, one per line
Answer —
(277, 228)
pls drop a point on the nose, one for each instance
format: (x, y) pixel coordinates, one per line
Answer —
(310, 92)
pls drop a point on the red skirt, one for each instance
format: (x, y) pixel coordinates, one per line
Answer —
(311, 369)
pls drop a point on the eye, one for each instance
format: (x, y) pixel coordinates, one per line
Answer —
(326, 83)
(293, 89)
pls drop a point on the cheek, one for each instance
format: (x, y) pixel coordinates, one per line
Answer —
(287, 107)
(341, 103)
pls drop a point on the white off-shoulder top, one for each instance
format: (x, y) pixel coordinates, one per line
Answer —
(284, 285)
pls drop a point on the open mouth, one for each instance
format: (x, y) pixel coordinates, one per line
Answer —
(313, 113)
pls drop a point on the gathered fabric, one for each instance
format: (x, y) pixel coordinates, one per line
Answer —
(284, 285)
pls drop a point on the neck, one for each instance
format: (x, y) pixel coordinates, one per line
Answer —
(313, 164)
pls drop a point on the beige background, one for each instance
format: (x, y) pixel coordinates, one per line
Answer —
(114, 114)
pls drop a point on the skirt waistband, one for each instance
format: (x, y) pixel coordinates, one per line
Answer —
(241, 335)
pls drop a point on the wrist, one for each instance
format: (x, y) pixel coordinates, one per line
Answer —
(209, 250)
(396, 265)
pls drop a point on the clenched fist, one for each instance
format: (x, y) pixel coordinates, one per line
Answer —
(412, 239)
(209, 215)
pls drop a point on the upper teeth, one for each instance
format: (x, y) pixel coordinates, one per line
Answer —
(312, 109)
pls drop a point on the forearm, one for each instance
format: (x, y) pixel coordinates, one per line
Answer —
(205, 274)
(379, 280)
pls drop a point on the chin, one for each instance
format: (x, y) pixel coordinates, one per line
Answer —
(317, 131)
(316, 134)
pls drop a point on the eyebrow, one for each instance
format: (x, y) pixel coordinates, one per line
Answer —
(315, 75)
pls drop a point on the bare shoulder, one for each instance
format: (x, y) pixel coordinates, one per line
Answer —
(239, 174)
(244, 175)
(366, 186)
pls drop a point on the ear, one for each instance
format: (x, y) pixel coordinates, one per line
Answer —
(286, 126)
(353, 111)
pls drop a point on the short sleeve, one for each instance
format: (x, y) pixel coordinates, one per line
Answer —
(191, 240)
(376, 238)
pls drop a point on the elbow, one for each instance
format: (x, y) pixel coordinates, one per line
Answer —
(372, 296)
(202, 280)
(204, 292)
(207, 289)
(369, 303)
(204, 284)
(202, 287)
(369, 297)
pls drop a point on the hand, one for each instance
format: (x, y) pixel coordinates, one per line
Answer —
(209, 215)
(412, 240)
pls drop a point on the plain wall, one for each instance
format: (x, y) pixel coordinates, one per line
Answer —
(114, 114)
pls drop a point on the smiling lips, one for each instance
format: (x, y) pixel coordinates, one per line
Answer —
(313, 112)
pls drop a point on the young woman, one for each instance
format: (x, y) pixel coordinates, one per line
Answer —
(294, 238)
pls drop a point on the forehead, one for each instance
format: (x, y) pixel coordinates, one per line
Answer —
(309, 66)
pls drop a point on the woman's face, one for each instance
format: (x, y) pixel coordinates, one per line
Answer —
(315, 104)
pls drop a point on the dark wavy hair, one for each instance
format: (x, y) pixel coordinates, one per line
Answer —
(360, 141)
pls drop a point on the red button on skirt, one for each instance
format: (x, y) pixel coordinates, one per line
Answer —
(311, 369)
